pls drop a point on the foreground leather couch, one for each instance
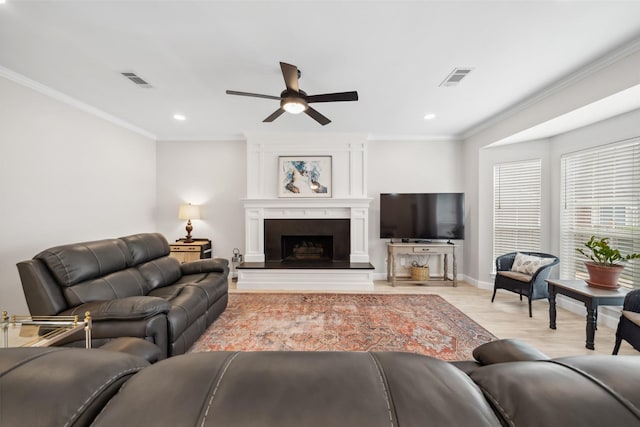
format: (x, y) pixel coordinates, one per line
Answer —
(131, 286)
(510, 384)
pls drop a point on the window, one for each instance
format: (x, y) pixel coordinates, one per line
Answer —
(601, 197)
(517, 189)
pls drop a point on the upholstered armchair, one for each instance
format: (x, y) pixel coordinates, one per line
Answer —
(524, 273)
(629, 324)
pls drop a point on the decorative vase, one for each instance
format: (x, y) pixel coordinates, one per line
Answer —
(605, 277)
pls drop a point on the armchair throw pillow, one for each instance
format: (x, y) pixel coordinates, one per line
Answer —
(529, 264)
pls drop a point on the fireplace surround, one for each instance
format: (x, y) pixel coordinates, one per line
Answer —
(345, 221)
(349, 202)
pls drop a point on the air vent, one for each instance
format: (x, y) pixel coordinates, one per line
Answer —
(139, 81)
(454, 77)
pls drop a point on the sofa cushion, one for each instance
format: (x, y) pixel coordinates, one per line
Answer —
(507, 350)
(214, 285)
(60, 386)
(72, 264)
(145, 247)
(188, 303)
(300, 389)
(120, 284)
(546, 393)
(160, 272)
(130, 308)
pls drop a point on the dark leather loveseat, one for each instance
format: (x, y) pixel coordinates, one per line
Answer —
(510, 385)
(131, 286)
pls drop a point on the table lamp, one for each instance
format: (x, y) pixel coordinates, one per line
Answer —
(189, 212)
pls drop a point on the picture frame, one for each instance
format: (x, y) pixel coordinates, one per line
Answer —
(304, 176)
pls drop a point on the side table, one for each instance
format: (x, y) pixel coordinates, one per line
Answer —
(590, 296)
(42, 331)
(192, 251)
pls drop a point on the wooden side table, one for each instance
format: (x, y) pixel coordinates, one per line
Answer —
(192, 251)
(590, 296)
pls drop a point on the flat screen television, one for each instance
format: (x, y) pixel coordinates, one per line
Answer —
(422, 216)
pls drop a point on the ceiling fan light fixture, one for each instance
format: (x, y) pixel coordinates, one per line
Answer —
(294, 105)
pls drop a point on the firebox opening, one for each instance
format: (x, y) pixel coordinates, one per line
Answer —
(332, 235)
(307, 248)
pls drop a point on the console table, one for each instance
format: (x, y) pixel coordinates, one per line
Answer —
(590, 296)
(398, 250)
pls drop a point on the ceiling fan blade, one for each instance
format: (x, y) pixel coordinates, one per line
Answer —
(255, 95)
(290, 74)
(274, 115)
(333, 97)
(315, 115)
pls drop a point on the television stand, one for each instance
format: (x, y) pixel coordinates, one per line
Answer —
(444, 249)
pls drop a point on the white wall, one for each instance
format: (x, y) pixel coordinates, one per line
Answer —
(607, 76)
(211, 174)
(410, 167)
(66, 176)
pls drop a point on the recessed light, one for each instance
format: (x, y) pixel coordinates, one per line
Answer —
(429, 116)
(2, 1)
(180, 117)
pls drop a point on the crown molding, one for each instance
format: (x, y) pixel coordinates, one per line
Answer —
(68, 100)
(428, 138)
(589, 69)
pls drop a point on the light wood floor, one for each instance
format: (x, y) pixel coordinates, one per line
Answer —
(508, 317)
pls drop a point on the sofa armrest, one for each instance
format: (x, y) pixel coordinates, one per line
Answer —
(140, 307)
(205, 266)
(507, 350)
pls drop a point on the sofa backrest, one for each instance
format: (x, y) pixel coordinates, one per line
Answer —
(149, 254)
(110, 268)
(93, 271)
(145, 247)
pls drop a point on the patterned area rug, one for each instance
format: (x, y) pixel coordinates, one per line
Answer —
(424, 324)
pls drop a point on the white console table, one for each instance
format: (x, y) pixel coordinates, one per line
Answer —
(397, 250)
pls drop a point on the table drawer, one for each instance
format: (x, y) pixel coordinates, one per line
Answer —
(180, 248)
(422, 249)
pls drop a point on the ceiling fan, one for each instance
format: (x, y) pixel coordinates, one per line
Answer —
(295, 101)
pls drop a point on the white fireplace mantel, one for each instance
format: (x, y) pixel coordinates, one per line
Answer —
(349, 188)
(354, 209)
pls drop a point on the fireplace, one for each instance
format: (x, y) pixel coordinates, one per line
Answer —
(307, 248)
(319, 228)
(307, 240)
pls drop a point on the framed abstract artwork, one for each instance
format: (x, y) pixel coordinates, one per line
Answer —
(304, 176)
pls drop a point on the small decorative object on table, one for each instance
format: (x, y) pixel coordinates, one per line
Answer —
(605, 266)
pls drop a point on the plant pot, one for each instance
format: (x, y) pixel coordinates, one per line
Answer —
(605, 277)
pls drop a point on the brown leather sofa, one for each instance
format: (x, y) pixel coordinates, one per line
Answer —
(510, 384)
(131, 286)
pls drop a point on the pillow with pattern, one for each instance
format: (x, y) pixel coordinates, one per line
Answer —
(528, 264)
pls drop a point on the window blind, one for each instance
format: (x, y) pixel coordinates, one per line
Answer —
(601, 197)
(517, 188)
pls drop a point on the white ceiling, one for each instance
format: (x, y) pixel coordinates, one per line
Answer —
(395, 54)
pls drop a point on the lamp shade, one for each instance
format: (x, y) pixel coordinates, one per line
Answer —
(189, 212)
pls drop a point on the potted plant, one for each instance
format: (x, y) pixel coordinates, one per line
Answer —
(605, 263)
